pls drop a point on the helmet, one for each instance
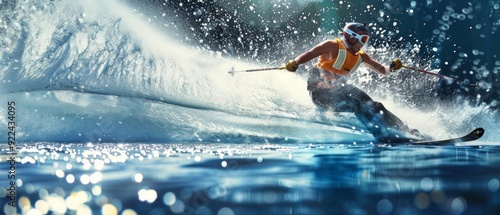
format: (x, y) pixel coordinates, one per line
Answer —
(355, 30)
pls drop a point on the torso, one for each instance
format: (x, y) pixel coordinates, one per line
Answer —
(334, 66)
(340, 61)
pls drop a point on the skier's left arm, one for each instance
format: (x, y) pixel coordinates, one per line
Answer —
(378, 67)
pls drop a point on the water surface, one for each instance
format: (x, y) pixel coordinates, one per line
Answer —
(256, 179)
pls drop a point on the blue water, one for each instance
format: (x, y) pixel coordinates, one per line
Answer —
(116, 113)
(257, 178)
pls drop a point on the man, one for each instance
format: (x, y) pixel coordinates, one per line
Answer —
(328, 87)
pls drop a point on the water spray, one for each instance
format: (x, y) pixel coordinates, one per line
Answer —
(397, 61)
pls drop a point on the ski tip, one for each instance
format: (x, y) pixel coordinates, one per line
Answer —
(478, 132)
(473, 135)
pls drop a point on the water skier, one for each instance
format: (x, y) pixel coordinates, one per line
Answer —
(328, 85)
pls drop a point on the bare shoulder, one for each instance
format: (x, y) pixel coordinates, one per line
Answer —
(327, 46)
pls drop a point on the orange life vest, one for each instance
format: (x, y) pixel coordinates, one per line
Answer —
(344, 63)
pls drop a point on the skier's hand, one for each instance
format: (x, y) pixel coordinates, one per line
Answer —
(396, 64)
(291, 66)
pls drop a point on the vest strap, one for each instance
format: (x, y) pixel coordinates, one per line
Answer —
(339, 62)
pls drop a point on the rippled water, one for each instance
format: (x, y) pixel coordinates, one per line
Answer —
(224, 179)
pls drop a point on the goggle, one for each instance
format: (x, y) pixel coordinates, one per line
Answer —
(363, 39)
